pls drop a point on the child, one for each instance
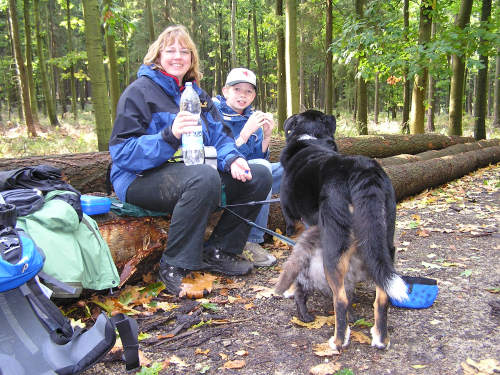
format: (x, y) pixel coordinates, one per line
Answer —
(252, 133)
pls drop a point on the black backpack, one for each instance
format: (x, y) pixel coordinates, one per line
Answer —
(35, 337)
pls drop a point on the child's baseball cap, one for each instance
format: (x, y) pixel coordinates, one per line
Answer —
(241, 75)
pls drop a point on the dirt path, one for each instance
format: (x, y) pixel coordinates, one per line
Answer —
(449, 234)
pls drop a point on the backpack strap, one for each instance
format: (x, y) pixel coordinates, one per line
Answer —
(128, 330)
(58, 326)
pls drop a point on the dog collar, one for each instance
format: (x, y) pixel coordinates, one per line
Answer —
(304, 137)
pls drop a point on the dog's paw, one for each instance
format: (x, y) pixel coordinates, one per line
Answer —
(306, 318)
(377, 340)
(345, 344)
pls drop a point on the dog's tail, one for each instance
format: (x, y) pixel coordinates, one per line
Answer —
(370, 224)
(298, 259)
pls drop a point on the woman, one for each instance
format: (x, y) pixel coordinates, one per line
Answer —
(146, 135)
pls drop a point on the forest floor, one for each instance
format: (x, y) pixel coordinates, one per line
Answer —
(449, 234)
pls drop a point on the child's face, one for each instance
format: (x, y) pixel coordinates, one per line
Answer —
(239, 96)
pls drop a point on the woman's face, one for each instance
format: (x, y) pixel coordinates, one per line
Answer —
(175, 59)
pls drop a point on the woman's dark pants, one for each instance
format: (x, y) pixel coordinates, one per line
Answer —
(191, 194)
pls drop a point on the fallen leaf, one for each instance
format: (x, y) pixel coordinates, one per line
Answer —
(195, 283)
(418, 366)
(263, 291)
(177, 361)
(201, 351)
(485, 366)
(238, 363)
(423, 233)
(249, 306)
(324, 350)
(329, 368)
(318, 322)
(241, 353)
(360, 337)
(223, 356)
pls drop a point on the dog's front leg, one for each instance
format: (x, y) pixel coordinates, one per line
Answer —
(380, 338)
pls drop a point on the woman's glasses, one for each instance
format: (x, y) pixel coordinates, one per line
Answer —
(173, 52)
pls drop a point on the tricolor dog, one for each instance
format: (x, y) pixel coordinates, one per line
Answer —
(349, 204)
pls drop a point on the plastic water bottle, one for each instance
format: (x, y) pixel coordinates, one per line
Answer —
(192, 143)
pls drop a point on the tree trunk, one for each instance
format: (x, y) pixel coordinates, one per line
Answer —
(376, 100)
(496, 94)
(29, 62)
(150, 26)
(417, 112)
(482, 80)
(280, 41)
(258, 61)
(234, 63)
(23, 82)
(193, 23)
(458, 73)
(329, 58)
(49, 101)
(166, 12)
(100, 99)
(292, 89)
(362, 106)
(431, 100)
(74, 109)
(112, 61)
(361, 92)
(405, 126)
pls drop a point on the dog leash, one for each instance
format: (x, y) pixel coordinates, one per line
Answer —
(252, 203)
(252, 224)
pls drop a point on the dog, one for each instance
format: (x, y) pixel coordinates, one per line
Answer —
(350, 205)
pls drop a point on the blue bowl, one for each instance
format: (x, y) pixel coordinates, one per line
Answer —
(422, 292)
(92, 205)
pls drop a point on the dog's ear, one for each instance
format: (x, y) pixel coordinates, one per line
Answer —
(289, 124)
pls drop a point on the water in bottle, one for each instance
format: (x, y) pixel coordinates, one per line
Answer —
(192, 143)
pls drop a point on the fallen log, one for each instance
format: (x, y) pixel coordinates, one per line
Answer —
(383, 145)
(432, 154)
(87, 171)
(411, 178)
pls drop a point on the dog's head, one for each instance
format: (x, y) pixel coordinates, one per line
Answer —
(310, 123)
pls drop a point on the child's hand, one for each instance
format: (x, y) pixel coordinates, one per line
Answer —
(254, 122)
(268, 125)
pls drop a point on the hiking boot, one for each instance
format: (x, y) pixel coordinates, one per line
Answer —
(258, 255)
(172, 278)
(218, 261)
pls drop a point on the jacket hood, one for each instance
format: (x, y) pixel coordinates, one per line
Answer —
(168, 83)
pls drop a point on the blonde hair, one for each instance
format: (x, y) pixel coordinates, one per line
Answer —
(166, 38)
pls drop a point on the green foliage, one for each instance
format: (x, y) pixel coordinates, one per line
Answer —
(153, 370)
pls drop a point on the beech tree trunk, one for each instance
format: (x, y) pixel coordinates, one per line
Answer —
(281, 69)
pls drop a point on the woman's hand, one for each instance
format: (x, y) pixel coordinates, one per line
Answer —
(240, 170)
(184, 123)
